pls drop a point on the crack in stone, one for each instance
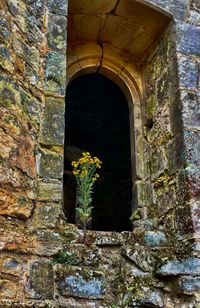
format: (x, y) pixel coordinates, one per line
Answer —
(112, 12)
(102, 55)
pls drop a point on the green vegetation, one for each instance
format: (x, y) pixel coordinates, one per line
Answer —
(66, 257)
(85, 173)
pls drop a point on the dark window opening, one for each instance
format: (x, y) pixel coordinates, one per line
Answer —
(97, 120)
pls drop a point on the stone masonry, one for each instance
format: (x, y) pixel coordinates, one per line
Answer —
(156, 265)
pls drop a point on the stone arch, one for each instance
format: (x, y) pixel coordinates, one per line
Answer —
(96, 45)
(126, 81)
(115, 152)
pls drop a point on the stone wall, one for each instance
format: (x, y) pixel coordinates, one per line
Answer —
(158, 264)
(163, 190)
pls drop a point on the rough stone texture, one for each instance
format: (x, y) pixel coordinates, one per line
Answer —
(78, 282)
(190, 109)
(188, 285)
(56, 36)
(58, 6)
(153, 239)
(165, 153)
(49, 190)
(46, 215)
(188, 73)
(189, 266)
(186, 39)
(40, 281)
(156, 265)
(55, 70)
(50, 164)
(177, 8)
(53, 123)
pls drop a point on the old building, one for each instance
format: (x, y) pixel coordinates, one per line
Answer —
(118, 78)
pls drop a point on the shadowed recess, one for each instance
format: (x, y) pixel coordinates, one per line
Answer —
(97, 120)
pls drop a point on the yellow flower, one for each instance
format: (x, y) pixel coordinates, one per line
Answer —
(85, 154)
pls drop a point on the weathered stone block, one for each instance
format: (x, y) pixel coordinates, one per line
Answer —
(80, 282)
(165, 198)
(188, 71)
(10, 122)
(18, 10)
(48, 242)
(9, 94)
(157, 162)
(177, 8)
(8, 289)
(195, 214)
(57, 32)
(55, 72)
(140, 256)
(15, 6)
(108, 239)
(6, 59)
(146, 224)
(23, 155)
(192, 145)
(36, 8)
(161, 131)
(155, 238)
(12, 266)
(187, 41)
(15, 204)
(150, 298)
(15, 240)
(169, 223)
(40, 282)
(34, 33)
(50, 164)
(29, 54)
(175, 154)
(32, 109)
(49, 190)
(193, 176)
(91, 257)
(190, 266)
(8, 144)
(33, 77)
(151, 105)
(46, 215)
(4, 30)
(188, 285)
(58, 7)
(194, 18)
(54, 122)
(190, 109)
(144, 193)
(164, 87)
(196, 5)
(184, 219)
(132, 272)
(175, 106)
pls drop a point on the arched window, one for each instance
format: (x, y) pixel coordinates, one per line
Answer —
(97, 120)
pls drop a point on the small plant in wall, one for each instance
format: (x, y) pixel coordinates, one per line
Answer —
(66, 257)
(85, 171)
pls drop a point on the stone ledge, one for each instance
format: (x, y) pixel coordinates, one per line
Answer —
(80, 282)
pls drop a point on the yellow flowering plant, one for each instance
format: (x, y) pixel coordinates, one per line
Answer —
(85, 172)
